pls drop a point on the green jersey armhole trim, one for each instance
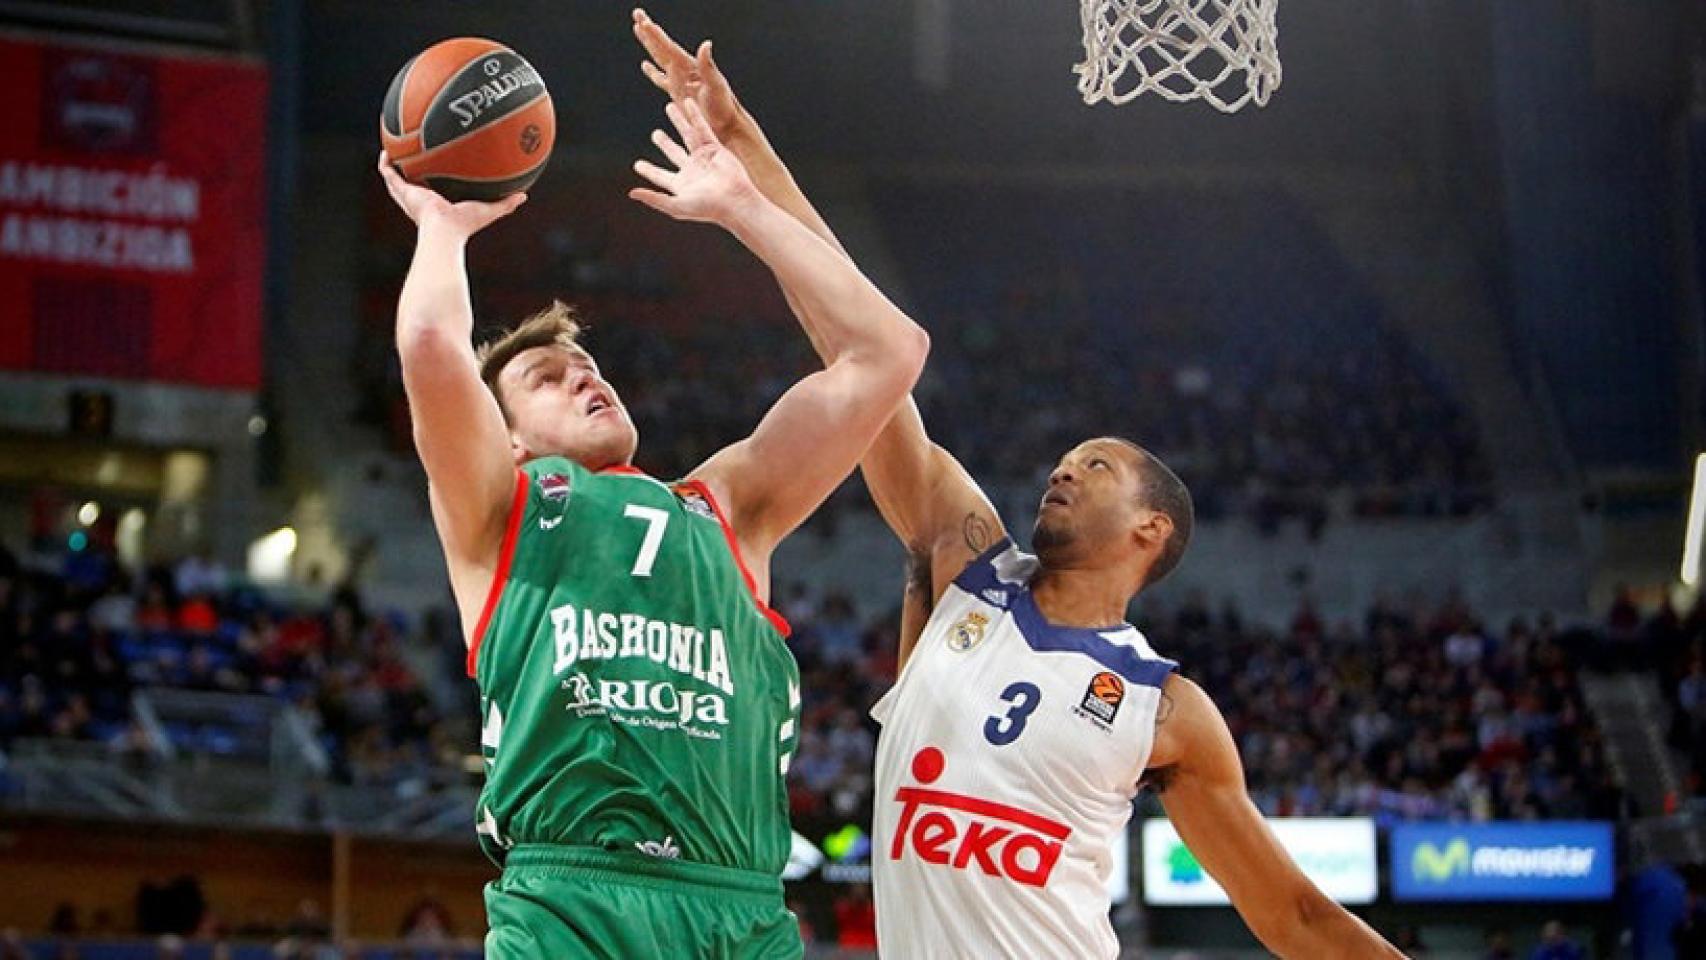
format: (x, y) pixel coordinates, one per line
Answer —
(500, 577)
(776, 619)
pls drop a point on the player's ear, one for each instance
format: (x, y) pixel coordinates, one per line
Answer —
(518, 450)
(1153, 528)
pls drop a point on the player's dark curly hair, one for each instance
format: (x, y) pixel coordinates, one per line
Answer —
(1161, 490)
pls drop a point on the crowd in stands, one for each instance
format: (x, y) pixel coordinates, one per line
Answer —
(77, 640)
(1414, 711)
(1410, 714)
(1297, 405)
(1673, 641)
(177, 922)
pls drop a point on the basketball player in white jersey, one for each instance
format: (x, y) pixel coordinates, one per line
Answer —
(1028, 712)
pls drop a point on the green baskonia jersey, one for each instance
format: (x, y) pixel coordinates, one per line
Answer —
(635, 694)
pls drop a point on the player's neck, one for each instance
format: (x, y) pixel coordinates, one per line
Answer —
(1080, 598)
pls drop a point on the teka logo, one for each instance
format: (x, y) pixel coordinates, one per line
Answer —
(1003, 841)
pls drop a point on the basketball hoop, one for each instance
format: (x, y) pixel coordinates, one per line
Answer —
(1223, 51)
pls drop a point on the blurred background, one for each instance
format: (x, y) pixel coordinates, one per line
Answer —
(1423, 336)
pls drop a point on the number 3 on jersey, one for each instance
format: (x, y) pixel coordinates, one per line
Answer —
(1021, 699)
(656, 521)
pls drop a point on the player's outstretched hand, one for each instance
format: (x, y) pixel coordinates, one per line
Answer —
(708, 184)
(684, 76)
(423, 205)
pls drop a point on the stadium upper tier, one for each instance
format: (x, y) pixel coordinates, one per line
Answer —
(1222, 329)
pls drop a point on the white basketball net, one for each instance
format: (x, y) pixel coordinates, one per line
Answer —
(1222, 51)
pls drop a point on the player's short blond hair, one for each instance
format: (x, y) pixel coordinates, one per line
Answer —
(556, 325)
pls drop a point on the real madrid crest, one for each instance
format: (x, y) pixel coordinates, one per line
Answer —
(967, 633)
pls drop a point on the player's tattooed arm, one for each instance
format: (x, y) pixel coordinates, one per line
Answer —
(1164, 710)
(1158, 779)
(978, 532)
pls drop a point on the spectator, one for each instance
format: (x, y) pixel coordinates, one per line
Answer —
(1499, 945)
(198, 575)
(856, 919)
(309, 922)
(1464, 648)
(64, 921)
(1555, 944)
(427, 924)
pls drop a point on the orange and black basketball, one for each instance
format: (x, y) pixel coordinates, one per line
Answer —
(1108, 688)
(469, 118)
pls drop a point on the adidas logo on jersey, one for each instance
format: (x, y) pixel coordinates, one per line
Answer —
(953, 830)
(995, 597)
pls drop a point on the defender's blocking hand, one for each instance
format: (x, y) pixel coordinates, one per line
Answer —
(684, 76)
(709, 183)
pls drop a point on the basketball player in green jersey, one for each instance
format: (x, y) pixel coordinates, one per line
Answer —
(639, 702)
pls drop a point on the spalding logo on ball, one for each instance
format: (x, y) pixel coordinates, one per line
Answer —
(469, 118)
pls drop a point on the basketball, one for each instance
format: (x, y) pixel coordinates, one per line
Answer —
(469, 118)
(1108, 687)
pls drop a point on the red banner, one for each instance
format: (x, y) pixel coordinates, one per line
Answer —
(132, 214)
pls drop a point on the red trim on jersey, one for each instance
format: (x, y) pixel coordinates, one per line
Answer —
(506, 553)
(776, 619)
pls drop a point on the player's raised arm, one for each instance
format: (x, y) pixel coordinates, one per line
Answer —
(1202, 788)
(458, 428)
(814, 435)
(684, 76)
(927, 498)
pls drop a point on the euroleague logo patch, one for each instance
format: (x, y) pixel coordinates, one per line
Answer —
(694, 502)
(1103, 697)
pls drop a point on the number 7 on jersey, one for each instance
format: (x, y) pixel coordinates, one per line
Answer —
(656, 520)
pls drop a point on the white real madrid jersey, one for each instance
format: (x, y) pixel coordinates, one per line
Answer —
(1009, 758)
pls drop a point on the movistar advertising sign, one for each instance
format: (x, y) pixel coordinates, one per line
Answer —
(1560, 860)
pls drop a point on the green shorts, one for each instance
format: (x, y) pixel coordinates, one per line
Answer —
(567, 902)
